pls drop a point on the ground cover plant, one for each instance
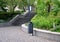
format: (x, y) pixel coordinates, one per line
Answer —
(48, 15)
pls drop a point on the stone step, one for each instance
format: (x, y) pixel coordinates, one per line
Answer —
(20, 19)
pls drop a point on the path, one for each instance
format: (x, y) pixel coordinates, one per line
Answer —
(15, 34)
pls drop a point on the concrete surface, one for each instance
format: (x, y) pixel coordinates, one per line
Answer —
(48, 35)
(15, 34)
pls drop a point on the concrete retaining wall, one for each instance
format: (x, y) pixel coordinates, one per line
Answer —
(55, 36)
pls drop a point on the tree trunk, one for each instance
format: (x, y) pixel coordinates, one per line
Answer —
(14, 8)
(49, 8)
(3, 9)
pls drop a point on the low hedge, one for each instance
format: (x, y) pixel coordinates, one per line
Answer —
(45, 22)
(8, 15)
(15, 12)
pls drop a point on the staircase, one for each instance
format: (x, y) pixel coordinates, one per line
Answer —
(21, 19)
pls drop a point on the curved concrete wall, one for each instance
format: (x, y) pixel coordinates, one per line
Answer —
(54, 36)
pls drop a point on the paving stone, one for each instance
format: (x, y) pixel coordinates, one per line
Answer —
(15, 34)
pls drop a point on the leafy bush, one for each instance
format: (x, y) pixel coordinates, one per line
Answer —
(57, 30)
(2, 21)
(45, 19)
(42, 22)
(58, 20)
(8, 15)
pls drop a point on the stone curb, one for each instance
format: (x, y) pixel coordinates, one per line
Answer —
(55, 36)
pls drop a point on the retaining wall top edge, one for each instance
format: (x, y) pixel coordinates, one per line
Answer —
(45, 31)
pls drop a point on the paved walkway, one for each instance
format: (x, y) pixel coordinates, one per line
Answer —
(15, 34)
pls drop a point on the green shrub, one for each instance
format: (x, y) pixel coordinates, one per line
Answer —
(16, 12)
(42, 22)
(8, 15)
(57, 30)
(2, 21)
(58, 20)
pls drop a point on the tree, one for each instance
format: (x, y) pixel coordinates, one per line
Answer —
(21, 3)
(56, 6)
(2, 5)
(13, 3)
(47, 11)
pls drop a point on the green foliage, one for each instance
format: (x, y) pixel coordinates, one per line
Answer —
(11, 4)
(20, 3)
(6, 16)
(57, 30)
(2, 21)
(42, 6)
(42, 22)
(2, 3)
(9, 13)
(45, 19)
(58, 20)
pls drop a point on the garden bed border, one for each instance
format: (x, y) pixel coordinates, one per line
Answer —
(54, 36)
